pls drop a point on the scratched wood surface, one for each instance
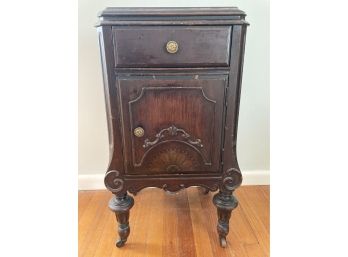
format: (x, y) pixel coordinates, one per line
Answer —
(179, 225)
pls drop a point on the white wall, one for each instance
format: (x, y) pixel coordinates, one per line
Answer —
(253, 132)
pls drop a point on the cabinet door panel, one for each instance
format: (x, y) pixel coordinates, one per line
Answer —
(180, 118)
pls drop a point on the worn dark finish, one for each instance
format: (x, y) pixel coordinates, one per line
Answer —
(191, 103)
(224, 203)
(121, 206)
(198, 46)
(172, 79)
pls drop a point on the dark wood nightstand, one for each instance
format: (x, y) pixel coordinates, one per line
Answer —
(172, 79)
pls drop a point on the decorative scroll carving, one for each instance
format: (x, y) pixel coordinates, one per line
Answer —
(113, 182)
(232, 178)
(174, 187)
(225, 202)
(173, 131)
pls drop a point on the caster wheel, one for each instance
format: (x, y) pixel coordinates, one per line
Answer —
(223, 242)
(120, 243)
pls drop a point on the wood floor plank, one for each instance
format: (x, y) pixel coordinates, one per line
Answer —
(91, 223)
(257, 200)
(256, 209)
(180, 225)
(254, 250)
(170, 245)
(266, 192)
(142, 225)
(155, 235)
(235, 246)
(94, 236)
(185, 232)
(107, 240)
(241, 227)
(201, 236)
(84, 199)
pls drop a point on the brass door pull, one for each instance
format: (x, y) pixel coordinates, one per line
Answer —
(172, 47)
(139, 132)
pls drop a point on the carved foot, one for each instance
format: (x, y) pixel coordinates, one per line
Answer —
(225, 203)
(123, 231)
(121, 206)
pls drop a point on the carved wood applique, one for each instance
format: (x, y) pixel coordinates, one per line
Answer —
(173, 131)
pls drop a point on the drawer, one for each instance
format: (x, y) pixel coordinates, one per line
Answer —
(173, 125)
(171, 46)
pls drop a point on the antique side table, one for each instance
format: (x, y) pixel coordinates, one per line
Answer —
(172, 80)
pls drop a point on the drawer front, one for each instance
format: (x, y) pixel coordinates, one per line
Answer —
(172, 46)
(172, 125)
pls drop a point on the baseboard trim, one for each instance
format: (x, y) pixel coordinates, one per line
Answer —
(91, 182)
(250, 177)
(256, 177)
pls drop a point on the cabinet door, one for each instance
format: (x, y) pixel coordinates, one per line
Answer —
(172, 124)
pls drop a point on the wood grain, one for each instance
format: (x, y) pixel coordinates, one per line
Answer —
(191, 103)
(92, 222)
(254, 207)
(198, 46)
(201, 236)
(155, 234)
(180, 225)
(84, 199)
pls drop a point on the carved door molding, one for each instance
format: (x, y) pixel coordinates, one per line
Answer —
(180, 115)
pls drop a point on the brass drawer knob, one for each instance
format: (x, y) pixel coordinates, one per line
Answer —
(139, 132)
(172, 47)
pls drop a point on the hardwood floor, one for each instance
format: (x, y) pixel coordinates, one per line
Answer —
(179, 225)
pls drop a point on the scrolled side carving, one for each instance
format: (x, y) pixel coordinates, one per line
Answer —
(232, 178)
(112, 181)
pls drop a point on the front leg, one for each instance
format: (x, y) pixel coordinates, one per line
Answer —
(121, 206)
(225, 203)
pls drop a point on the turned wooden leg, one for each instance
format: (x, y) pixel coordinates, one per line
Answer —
(225, 202)
(121, 206)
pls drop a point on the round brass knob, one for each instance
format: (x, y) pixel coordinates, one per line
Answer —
(139, 132)
(172, 47)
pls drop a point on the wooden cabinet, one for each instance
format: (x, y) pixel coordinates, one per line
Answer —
(172, 79)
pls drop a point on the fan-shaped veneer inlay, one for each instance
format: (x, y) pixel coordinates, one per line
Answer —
(174, 157)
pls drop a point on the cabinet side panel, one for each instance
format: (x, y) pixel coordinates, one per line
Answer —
(229, 158)
(111, 99)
